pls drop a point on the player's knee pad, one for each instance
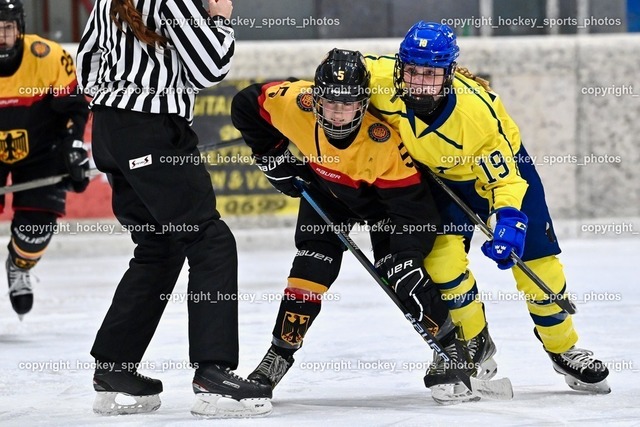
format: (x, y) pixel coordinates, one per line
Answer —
(447, 261)
(300, 306)
(31, 232)
(318, 262)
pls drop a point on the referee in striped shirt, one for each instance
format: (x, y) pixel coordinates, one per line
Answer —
(142, 62)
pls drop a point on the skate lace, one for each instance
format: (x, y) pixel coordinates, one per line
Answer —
(438, 365)
(473, 345)
(274, 366)
(579, 358)
(142, 377)
(237, 377)
(20, 281)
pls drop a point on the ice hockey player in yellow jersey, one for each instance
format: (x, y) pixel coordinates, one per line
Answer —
(454, 124)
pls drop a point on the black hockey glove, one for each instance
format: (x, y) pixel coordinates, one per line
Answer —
(76, 162)
(406, 274)
(281, 168)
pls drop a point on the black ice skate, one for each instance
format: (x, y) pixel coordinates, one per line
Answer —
(110, 383)
(20, 291)
(581, 370)
(222, 394)
(271, 369)
(474, 356)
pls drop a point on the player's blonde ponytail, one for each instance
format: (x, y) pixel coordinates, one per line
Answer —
(124, 11)
(468, 74)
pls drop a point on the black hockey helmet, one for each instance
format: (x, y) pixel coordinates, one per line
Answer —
(342, 77)
(12, 11)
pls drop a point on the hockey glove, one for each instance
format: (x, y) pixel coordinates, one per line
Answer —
(281, 168)
(508, 234)
(76, 162)
(420, 296)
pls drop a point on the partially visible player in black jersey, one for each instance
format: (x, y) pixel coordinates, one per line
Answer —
(359, 172)
(42, 120)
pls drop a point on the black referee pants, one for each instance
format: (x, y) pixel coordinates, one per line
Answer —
(163, 195)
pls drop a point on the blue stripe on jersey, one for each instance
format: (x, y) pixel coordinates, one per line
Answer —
(453, 283)
(462, 300)
(553, 320)
(450, 103)
(549, 301)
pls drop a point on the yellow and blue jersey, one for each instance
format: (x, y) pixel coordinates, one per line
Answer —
(473, 139)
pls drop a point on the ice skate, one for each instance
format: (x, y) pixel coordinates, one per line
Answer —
(581, 370)
(271, 369)
(123, 386)
(474, 356)
(20, 290)
(222, 394)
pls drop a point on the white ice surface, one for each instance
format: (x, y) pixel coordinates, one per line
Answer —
(45, 379)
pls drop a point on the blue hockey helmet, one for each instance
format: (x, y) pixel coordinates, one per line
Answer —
(426, 44)
(429, 44)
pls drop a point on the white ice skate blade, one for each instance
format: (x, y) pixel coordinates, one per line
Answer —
(105, 403)
(452, 394)
(208, 405)
(596, 388)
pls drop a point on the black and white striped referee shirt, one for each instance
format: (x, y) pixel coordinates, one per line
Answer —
(117, 70)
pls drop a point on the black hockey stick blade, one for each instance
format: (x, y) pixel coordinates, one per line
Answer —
(562, 301)
(490, 389)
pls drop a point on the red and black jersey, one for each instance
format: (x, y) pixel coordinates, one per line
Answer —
(374, 177)
(39, 104)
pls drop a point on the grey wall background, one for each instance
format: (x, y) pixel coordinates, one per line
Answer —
(546, 81)
(326, 19)
(586, 143)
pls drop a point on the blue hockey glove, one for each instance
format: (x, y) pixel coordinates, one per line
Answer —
(508, 234)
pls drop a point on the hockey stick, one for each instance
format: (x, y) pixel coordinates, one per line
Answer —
(40, 182)
(561, 300)
(491, 389)
(222, 144)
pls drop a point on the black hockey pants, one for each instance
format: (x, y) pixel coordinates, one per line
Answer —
(162, 194)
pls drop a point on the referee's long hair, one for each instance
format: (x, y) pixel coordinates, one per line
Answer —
(124, 11)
